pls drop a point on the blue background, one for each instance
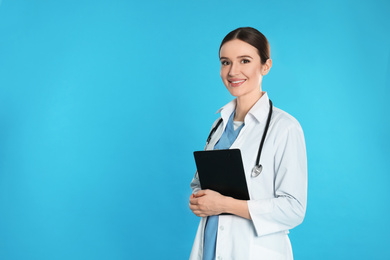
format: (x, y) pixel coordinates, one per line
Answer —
(103, 102)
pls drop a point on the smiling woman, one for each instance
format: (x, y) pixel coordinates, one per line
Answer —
(242, 72)
(256, 228)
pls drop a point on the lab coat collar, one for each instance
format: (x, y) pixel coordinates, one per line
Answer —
(259, 111)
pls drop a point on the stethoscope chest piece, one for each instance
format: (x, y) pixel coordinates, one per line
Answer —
(257, 170)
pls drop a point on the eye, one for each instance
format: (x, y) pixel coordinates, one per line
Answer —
(243, 61)
(225, 62)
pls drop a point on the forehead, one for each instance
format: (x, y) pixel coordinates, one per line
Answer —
(236, 48)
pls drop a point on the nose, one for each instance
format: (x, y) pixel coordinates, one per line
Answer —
(234, 69)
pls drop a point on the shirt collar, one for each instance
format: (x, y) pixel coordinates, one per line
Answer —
(259, 111)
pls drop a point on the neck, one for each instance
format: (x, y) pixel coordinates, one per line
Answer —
(244, 104)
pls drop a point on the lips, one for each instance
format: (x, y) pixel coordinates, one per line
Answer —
(236, 82)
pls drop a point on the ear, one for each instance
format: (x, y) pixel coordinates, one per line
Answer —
(266, 67)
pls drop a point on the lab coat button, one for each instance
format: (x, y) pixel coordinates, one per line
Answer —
(219, 257)
(221, 228)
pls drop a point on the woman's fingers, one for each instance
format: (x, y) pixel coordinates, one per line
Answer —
(193, 201)
(200, 193)
(206, 203)
(195, 206)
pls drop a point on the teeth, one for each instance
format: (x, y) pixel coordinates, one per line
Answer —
(238, 81)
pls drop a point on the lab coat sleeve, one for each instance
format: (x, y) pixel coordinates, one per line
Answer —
(195, 184)
(288, 208)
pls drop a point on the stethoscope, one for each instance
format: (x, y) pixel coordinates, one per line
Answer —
(258, 167)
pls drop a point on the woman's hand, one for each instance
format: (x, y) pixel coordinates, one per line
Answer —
(206, 203)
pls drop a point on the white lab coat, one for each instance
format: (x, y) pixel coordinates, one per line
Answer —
(277, 196)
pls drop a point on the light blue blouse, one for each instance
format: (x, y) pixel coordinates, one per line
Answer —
(210, 233)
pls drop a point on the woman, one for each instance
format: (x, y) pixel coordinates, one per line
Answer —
(257, 228)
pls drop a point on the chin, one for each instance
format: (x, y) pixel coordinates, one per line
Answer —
(235, 93)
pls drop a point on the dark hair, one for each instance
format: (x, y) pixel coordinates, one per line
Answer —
(253, 37)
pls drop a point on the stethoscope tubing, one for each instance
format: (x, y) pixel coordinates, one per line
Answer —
(265, 132)
(258, 167)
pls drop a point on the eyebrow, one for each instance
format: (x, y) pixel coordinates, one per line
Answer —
(242, 56)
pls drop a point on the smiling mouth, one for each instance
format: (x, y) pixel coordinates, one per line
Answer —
(236, 83)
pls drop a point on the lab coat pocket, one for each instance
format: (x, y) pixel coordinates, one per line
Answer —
(271, 247)
(263, 253)
(262, 186)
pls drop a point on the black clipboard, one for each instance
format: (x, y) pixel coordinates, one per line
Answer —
(222, 171)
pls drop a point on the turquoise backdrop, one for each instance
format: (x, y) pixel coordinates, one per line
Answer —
(103, 102)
